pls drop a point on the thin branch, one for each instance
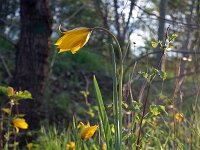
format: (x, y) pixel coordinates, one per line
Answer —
(130, 14)
(76, 12)
(156, 52)
(194, 26)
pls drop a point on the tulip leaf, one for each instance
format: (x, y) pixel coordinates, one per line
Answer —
(103, 115)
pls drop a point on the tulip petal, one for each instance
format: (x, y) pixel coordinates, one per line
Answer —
(17, 129)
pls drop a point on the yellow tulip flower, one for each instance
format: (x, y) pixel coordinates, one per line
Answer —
(71, 145)
(20, 123)
(87, 131)
(73, 40)
(179, 117)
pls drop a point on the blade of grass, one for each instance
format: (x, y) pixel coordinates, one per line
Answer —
(77, 139)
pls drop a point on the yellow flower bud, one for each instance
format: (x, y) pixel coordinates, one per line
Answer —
(20, 123)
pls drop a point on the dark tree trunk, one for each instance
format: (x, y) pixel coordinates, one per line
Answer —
(160, 62)
(32, 55)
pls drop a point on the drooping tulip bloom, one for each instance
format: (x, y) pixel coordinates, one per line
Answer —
(73, 40)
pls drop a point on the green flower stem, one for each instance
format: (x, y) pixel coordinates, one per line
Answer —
(119, 113)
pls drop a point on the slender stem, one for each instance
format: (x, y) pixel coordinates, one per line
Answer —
(143, 114)
(145, 102)
(173, 106)
(119, 125)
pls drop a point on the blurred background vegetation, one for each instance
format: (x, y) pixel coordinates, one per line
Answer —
(61, 83)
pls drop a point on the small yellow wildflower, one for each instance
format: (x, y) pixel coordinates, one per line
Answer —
(87, 131)
(179, 117)
(29, 145)
(20, 123)
(6, 110)
(71, 145)
(73, 40)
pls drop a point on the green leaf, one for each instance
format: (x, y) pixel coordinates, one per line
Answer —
(22, 95)
(137, 118)
(154, 71)
(125, 105)
(173, 37)
(5, 90)
(154, 44)
(19, 115)
(170, 45)
(103, 115)
(157, 109)
(14, 145)
(163, 75)
(136, 105)
(144, 74)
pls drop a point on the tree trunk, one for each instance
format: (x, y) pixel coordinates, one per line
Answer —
(186, 44)
(32, 55)
(161, 34)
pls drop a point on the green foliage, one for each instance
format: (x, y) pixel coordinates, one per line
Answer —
(165, 45)
(12, 121)
(153, 73)
(144, 74)
(5, 44)
(157, 109)
(163, 75)
(83, 60)
(154, 44)
(22, 95)
(157, 129)
(52, 139)
(172, 37)
(5, 90)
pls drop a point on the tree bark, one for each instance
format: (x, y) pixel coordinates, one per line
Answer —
(161, 34)
(32, 55)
